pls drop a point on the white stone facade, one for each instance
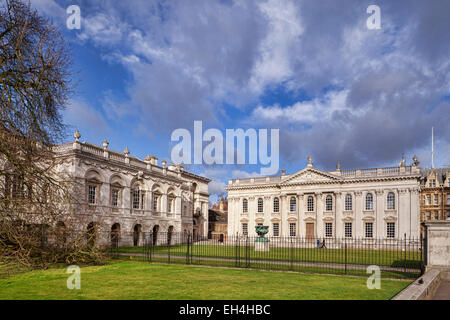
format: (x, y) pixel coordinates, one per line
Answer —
(120, 190)
(369, 203)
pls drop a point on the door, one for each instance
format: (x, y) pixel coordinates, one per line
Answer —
(310, 230)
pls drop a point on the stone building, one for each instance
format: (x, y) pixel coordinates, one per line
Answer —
(364, 203)
(126, 195)
(218, 221)
(435, 195)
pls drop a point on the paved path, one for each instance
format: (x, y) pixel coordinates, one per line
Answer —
(443, 291)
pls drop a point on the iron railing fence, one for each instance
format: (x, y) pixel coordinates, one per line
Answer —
(395, 257)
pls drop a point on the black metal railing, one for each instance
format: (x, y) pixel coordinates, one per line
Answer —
(396, 258)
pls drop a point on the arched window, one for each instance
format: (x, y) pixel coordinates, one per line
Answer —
(276, 204)
(369, 201)
(260, 205)
(329, 203)
(310, 204)
(245, 205)
(292, 204)
(391, 201)
(348, 202)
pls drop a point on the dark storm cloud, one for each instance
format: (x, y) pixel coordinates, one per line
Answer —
(374, 93)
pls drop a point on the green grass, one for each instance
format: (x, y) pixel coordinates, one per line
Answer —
(391, 258)
(138, 280)
(352, 270)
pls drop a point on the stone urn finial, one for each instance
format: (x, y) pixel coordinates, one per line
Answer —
(164, 163)
(126, 151)
(77, 135)
(105, 144)
(338, 165)
(416, 161)
(310, 164)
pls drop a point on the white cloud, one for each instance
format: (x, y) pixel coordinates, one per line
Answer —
(319, 109)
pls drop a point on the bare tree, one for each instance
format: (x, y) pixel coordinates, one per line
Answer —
(36, 224)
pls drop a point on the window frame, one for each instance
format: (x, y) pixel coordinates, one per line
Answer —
(244, 205)
(348, 230)
(245, 228)
(369, 202)
(292, 204)
(329, 203)
(277, 229)
(260, 205)
(390, 230)
(276, 204)
(310, 204)
(390, 202)
(368, 230)
(292, 229)
(328, 229)
(348, 202)
(95, 186)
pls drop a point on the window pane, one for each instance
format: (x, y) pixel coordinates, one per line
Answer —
(348, 202)
(369, 230)
(348, 229)
(91, 194)
(328, 229)
(276, 205)
(292, 229)
(260, 205)
(369, 201)
(329, 203)
(293, 204)
(390, 232)
(310, 203)
(276, 230)
(244, 205)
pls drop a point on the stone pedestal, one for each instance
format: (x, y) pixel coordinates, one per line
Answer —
(262, 246)
(438, 244)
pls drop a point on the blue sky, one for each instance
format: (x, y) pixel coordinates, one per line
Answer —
(336, 90)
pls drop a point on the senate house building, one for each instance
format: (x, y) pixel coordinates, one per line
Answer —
(126, 195)
(380, 203)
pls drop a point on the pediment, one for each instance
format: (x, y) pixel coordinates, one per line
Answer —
(311, 175)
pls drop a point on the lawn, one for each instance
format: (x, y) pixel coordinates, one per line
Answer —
(138, 280)
(381, 257)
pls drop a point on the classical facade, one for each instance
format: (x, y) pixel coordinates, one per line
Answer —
(366, 203)
(126, 195)
(435, 195)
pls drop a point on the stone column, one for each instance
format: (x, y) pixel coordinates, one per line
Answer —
(414, 212)
(358, 215)
(283, 213)
(339, 226)
(379, 214)
(403, 213)
(301, 215)
(204, 208)
(163, 208)
(178, 207)
(319, 215)
(252, 209)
